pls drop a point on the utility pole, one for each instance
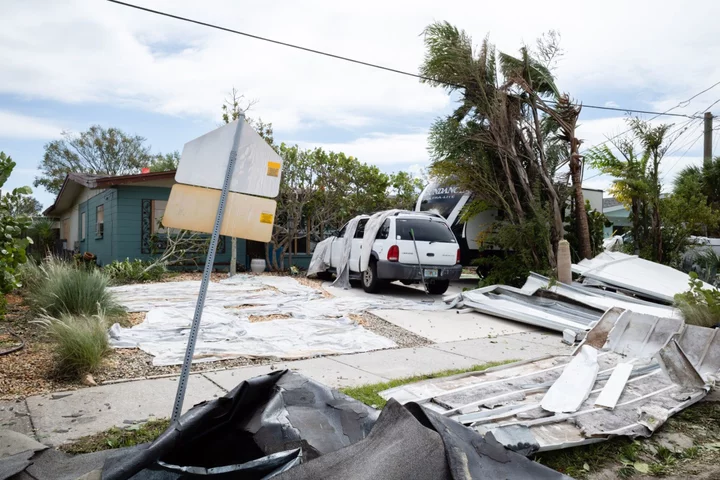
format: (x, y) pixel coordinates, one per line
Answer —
(707, 150)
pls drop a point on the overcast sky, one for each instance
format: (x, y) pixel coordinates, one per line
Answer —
(70, 64)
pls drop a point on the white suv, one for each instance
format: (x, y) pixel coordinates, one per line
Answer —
(393, 254)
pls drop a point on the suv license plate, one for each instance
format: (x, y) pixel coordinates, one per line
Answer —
(431, 272)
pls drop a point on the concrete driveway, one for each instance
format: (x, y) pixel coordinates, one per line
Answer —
(444, 325)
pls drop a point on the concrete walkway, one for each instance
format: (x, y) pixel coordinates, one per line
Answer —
(61, 417)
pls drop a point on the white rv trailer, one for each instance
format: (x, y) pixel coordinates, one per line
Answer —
(449, 201)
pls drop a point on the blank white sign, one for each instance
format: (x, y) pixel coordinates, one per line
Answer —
(257, 170)
(195, 208)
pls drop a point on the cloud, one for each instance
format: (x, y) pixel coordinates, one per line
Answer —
(17, 126)
(391, 152)
(82, 51)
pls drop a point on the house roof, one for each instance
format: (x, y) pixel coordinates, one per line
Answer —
(610, 202)
(74, 182)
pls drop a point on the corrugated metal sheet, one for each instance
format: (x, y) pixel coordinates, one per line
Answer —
(673, 366)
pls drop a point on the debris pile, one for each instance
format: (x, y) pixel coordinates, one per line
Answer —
(630, 374)
(285, 426)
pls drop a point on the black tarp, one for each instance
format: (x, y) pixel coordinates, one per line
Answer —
(288, 427)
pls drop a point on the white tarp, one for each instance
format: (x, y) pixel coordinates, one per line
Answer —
(222, 335)
(231, 292)
(317, 325)
(317, 262)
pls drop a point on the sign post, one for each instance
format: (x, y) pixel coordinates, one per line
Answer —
(252, 174)
(209, 262)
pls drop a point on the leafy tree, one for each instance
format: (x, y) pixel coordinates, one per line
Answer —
(165, 162)
(704, 181)
(637, 181)
(404, 191)
(504, 142)
(97, 151)
(27, 205)
(12, 242)
(683, 216)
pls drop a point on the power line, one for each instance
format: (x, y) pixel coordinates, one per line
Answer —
(368, 64)
(683, 155)
(684, 125)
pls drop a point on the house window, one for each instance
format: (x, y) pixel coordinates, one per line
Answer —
(99, 221)
(83, 226)
(66, 229)
(158, 211)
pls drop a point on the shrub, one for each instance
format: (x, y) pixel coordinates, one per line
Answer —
(3, 306)
(699, 306)
(81, 341)
(30, 276)
(136, 271)
(66, 289)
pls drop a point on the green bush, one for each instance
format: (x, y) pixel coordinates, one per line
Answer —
(136, 271)
(699, 306)
(66, 289)
(3, 306)
(81, 341)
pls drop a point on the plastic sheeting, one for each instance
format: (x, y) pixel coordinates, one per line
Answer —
(370, 234)
(230, 292)
(317, 262)
(223, 335)
(315, 326)
(335, 435)
(342, 272)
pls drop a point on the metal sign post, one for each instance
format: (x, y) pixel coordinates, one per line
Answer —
(209, 261)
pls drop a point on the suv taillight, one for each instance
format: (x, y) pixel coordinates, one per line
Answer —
(457, 257)
(393, 254)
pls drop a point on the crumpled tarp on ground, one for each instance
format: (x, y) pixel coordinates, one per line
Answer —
(673, 367)
(223, 335)
(317, 325)
(287, 427)
(634, 275)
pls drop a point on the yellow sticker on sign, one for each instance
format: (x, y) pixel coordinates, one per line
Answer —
(273, 169)
(266, 218)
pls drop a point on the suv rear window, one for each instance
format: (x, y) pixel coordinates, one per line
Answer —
(425, 230)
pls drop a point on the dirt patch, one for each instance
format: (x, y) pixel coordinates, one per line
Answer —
(267, 318)
(134, 318)
(402, 337)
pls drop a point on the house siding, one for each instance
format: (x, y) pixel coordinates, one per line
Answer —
(101, 247)
(128, 230)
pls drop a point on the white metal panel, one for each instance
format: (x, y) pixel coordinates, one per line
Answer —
(204, 162)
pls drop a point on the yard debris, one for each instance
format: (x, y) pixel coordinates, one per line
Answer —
(633, 275)
(569, 309)
(673, 366)
(285, 426)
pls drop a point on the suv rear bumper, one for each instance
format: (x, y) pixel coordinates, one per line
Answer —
(403, 271)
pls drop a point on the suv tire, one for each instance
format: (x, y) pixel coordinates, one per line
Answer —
(438, 287)
(327, 276)
(369, 279)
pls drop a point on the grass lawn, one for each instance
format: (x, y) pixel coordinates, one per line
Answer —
(368, 394)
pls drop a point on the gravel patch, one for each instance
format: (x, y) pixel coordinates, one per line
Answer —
(399, 335)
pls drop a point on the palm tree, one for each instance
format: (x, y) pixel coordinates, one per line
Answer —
(700, 179)
(496, 144)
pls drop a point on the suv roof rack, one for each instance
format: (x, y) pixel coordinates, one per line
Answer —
(431, 214)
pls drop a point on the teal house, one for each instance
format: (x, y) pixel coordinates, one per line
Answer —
(118, 217)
